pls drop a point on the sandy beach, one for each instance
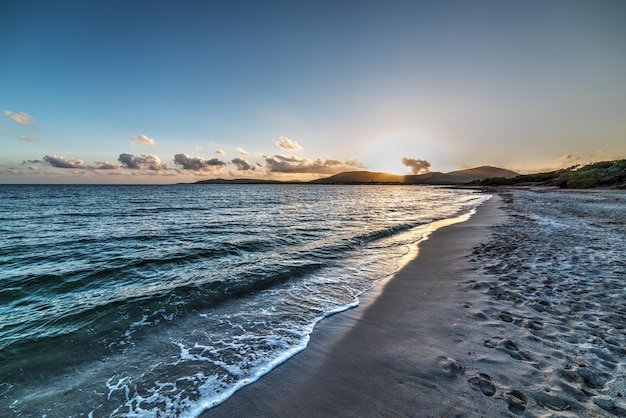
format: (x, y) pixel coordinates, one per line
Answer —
(519, 311)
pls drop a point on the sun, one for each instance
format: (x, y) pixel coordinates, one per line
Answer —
(386, 153)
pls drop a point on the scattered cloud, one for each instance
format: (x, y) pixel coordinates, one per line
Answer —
(242, 151)
(21, 118)
(144, 161)
(105, 165)
(287, 144)
(198, 164)
(416, 166)
(243, 165)
(28, 139)
(141, 138)
(568, 160)
(571, 159)
(63, 162)
(284, 164)
(220, 152)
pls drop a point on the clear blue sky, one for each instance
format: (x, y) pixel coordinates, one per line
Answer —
(162, 91)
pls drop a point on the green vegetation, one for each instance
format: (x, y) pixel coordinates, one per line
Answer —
(602, 174)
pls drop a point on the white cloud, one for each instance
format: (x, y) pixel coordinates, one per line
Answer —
(220, 152)
(242, 151)
(287, 144)
(141, 138)
(22, 118)
(63, 162)
(29, 139)
(197, 163)
(105, 165)
(284, 164)
(144, 161)
(416, 166)
(243, 165)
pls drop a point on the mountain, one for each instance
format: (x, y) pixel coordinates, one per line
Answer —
(453, 177)
(360, 177)
(245, 181)
(371, 177)
(461, 176)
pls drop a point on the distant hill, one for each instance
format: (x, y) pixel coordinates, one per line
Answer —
(371, 177)
(245, 181)
(360, 177)
(451, 178)
(460, 176)
(608, 174)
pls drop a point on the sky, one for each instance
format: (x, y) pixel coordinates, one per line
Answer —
(164, 92)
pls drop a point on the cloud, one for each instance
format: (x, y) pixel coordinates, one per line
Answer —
(284, 164)
(287, 144)
(22, 118)
(141, 138)
(28, 139)
(63, 162)
(417, 166)
(569, 160)
(243, 165)
(100, 165)
(220, 152)
(242, 151)
(144, 161)
(198, 164)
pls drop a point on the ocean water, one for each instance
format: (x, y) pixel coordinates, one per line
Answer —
(154, 301)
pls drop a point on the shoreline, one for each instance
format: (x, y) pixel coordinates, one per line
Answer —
(389, 355)
(518, 311)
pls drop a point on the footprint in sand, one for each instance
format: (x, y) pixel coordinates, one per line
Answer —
(513, 350)
(483, 382)
(505, 316)
(517, 401)
(509, 347)
(534, 325)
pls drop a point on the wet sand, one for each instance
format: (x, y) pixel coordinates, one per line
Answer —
(512, 313)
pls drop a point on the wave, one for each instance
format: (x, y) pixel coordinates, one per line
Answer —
(115, 285)
(231, 280)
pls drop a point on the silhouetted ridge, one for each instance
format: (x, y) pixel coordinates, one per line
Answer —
(372, 177)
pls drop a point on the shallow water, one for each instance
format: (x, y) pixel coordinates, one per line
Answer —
(163, 300)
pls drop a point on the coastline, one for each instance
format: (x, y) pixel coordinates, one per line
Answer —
(391, 355)
(518, 311)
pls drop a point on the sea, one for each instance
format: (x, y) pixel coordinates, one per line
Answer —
(163, 300)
